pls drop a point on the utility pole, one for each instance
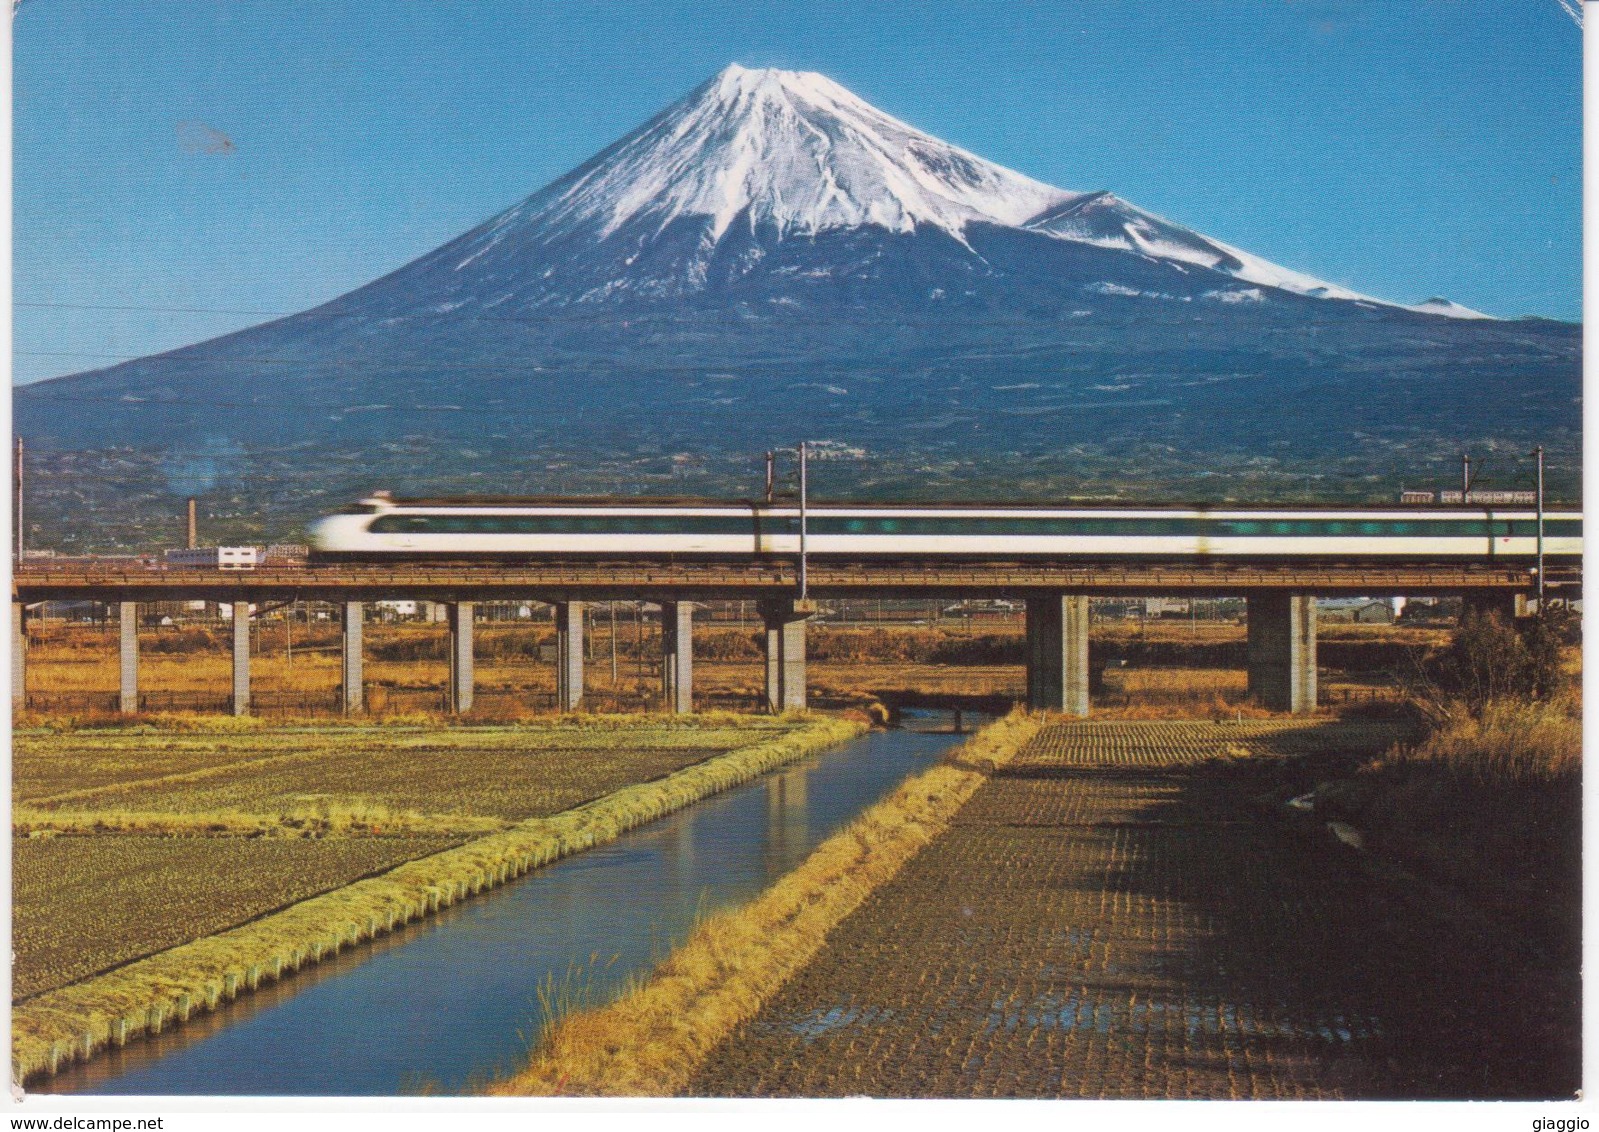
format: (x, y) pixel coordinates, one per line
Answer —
(20, 528)
(1465, 476)
(771, 475)
(804, 582)
(638, 645)
(1538, 454)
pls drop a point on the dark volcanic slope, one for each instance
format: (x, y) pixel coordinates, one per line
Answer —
(1040, 373)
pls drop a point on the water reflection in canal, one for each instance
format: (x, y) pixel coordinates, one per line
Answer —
(455, 998)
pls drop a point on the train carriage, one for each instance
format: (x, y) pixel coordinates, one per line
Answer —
(384, 528)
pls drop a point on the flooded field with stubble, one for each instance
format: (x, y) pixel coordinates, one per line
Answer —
(1113, 916)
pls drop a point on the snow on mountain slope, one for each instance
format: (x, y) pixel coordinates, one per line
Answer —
(1436, 305)
(741, 182)
(1107, 221)
(792, 149)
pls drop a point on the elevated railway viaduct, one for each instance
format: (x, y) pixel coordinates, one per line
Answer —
(1281, 609)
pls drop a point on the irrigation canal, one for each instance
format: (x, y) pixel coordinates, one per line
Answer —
(456, 998)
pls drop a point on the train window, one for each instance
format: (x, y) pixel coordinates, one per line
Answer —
(393, 524)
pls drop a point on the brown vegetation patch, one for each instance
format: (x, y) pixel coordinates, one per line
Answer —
(72, 669)
(504, 773)
(82, 905)
(506, 783)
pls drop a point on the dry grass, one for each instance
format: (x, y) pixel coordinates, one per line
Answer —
(1511, 746)
(70, 662)
(1491, 806)
(75, 1021)
(308, 819)
(650, 1042)
(1175, 693)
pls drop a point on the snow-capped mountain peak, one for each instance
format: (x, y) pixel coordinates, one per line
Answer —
(743, 180)
(789, 149)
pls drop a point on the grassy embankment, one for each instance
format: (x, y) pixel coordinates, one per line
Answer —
(74, 1021)
(650, 1042)
(1489, 805)
(1485, 798)
(1479, 824)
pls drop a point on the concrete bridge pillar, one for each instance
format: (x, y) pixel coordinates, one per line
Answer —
(459, 617)
(241, 657)
(128, 656)
(1057, 653)
(1505, 605)
(568, 655)
(352, 683)
(19, 656)
(785, 653)
(1282, 650)
(677, 661)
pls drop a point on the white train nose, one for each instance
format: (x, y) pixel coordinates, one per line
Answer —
(323, 534)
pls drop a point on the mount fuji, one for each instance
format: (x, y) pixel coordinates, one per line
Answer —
(772, 257)
(757, 180)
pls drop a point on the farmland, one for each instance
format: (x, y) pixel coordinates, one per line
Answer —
(1111, 916)
(268, 819)
(501, 773)
(81, 905)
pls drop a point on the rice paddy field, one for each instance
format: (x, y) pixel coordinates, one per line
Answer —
(82, 905)
(507, 773)
(129, 842)
(1115, 915)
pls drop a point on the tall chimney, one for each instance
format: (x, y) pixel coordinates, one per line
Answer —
(194, 539)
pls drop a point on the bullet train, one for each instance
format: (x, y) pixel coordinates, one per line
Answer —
(384, 528)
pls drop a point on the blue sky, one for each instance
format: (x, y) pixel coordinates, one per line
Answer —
(186, 169)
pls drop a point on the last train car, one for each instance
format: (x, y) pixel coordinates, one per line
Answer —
(381, 528)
